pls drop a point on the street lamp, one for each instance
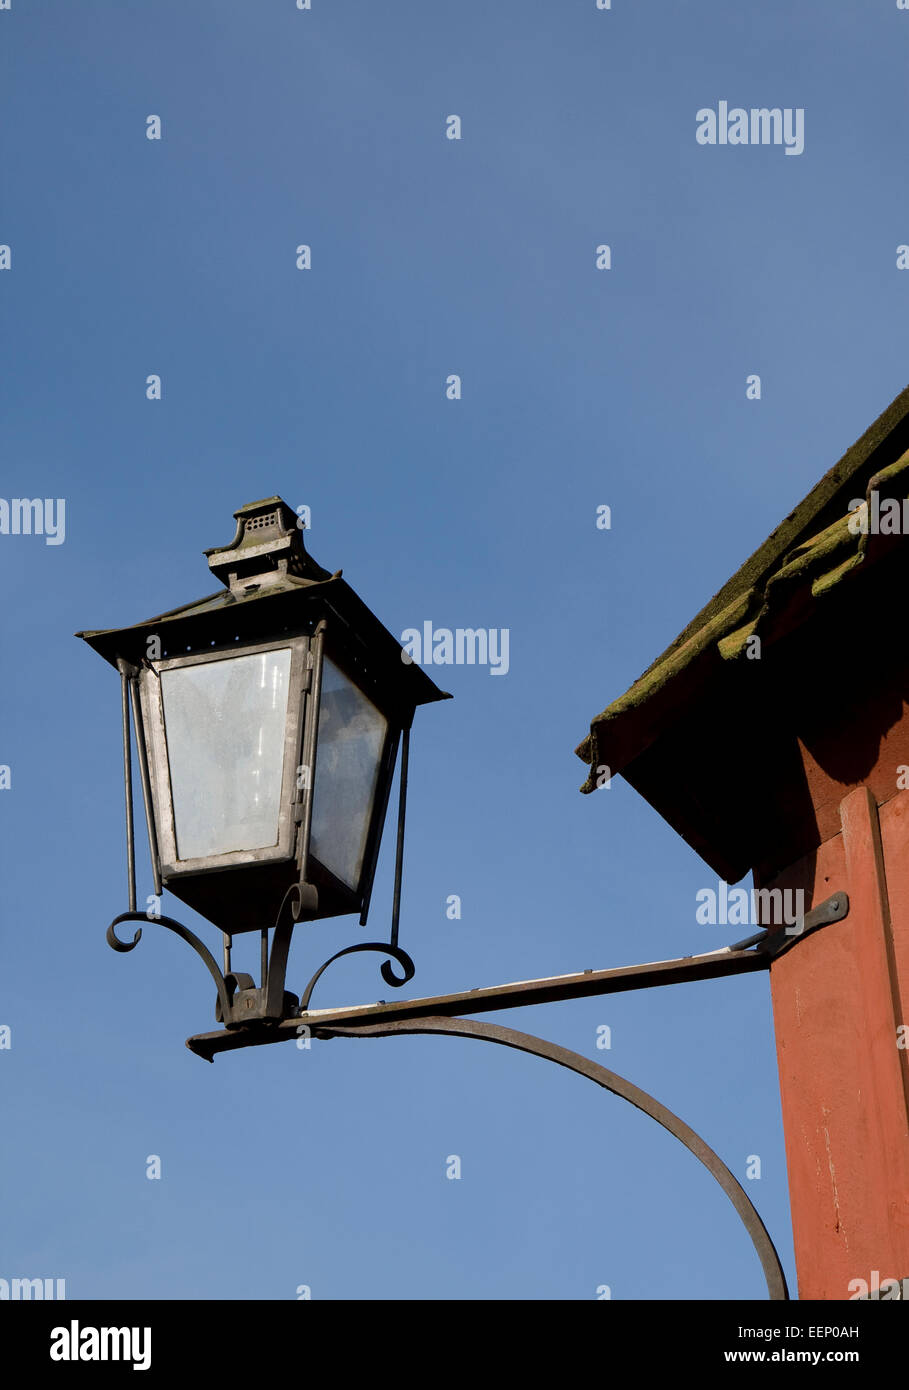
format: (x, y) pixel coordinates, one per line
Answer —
(267, 721)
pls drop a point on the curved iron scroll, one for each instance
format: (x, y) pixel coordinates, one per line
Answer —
(273, 985)
(388, 975)
(185, 935)
(563, 1057)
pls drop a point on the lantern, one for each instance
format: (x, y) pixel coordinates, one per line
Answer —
(268, 719)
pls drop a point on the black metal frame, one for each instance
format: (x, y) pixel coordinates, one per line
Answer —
(240, 1001)
(319, 886)
(151, 733)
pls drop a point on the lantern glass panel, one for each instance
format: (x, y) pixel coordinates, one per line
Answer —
(352, 735)
(225, 725)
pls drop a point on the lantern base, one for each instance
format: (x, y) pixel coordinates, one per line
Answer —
(250, 1004)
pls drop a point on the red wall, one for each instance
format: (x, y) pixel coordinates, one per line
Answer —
(839, 997)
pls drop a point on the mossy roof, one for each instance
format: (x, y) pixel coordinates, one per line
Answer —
(812, 551)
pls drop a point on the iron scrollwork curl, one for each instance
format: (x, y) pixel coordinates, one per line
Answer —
(388, 975)
(272, 1002)
(185, 935)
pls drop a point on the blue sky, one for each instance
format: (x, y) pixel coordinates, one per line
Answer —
(580, 387)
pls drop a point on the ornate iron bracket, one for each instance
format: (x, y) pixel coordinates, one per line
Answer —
(832, 909)
(240, 1001)
(185, 934)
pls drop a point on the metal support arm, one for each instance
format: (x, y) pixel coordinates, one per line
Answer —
(563, 1057)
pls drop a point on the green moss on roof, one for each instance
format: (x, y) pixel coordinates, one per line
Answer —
(822, 505)
(811, 552)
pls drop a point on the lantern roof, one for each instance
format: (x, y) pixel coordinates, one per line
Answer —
(702, 703)
(272, 585)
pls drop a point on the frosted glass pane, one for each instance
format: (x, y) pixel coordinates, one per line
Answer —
(351, 739)
(225, 723)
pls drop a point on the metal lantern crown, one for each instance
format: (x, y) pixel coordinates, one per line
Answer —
(268, 719)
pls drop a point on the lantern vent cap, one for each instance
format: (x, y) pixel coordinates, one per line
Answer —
(266, 550)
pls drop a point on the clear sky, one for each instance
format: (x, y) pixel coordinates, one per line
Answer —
(580, 388)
